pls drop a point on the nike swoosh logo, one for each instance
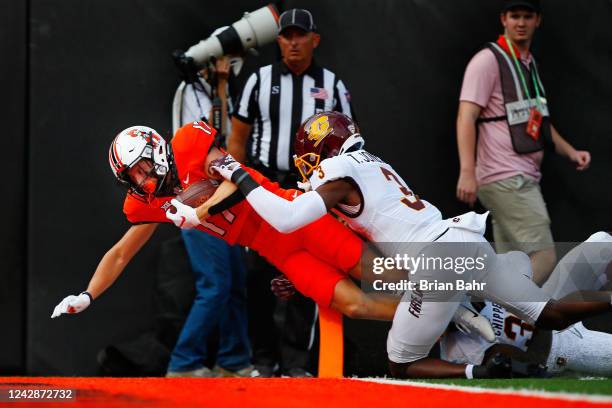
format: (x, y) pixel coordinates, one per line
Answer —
(186, 181)
(295, 194)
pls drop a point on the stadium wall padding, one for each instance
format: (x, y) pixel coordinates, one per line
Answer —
(97, 67)
(13, 116)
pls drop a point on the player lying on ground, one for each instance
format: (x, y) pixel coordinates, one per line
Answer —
(577, 349)
(317, 258)
(375, 201)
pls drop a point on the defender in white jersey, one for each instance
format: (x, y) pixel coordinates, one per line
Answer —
(383, 216)
(377, 203)
(576, 349)
(588, 266)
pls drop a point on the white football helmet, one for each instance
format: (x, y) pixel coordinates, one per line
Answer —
(141, 142)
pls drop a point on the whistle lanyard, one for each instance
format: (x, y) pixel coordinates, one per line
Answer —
(520, 72)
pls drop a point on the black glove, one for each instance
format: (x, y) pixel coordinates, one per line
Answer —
(529, 370)
(498, 366)
(282, 287)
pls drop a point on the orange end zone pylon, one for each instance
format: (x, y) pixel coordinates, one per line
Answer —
(331, 347)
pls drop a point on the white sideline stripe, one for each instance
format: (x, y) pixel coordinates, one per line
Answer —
(567, 396)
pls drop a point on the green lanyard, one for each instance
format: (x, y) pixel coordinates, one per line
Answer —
(520, 71)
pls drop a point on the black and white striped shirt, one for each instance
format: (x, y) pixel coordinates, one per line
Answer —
(276, 102)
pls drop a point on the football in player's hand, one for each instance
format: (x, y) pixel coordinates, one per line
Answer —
(197, 193)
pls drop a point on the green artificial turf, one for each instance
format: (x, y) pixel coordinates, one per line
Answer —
(571, 385)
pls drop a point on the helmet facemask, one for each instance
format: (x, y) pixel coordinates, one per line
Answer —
(150, 181)
(157, 171)
(306, 164)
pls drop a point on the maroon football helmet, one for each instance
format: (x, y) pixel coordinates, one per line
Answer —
(323, 135)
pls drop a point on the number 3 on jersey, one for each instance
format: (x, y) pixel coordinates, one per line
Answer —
(410, 199)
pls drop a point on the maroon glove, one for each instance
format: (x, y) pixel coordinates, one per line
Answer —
(282, 287)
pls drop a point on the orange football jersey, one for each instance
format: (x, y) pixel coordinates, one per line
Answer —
(314, 258)
(191, 145)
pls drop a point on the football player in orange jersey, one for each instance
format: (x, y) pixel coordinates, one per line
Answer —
(317, 258)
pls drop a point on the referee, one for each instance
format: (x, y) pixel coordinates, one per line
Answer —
(275, 100)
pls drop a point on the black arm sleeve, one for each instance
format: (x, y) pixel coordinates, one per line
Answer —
(244, 181)
(227, 203)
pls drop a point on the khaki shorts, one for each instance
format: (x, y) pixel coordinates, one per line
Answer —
(520, 217)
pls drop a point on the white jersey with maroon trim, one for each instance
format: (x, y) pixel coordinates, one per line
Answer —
(576, 348)
(389, 210)
(508, 328)
(461, 348)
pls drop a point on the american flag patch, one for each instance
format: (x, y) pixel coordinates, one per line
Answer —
(318, 93)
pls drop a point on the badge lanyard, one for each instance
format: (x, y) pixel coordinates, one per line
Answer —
(520, 71)
(535, 118)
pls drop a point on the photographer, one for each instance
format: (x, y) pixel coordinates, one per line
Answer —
(220, 300)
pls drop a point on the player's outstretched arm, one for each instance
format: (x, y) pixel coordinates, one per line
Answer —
(110, 267)
(284, 215)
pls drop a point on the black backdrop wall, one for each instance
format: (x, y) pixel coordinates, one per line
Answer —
(13, 116)
(74, 73)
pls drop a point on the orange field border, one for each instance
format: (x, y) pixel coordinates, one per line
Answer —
(286, 392)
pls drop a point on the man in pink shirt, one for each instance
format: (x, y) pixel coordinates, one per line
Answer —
(504, 102)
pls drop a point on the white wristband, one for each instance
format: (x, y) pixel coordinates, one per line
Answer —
(469, 371)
